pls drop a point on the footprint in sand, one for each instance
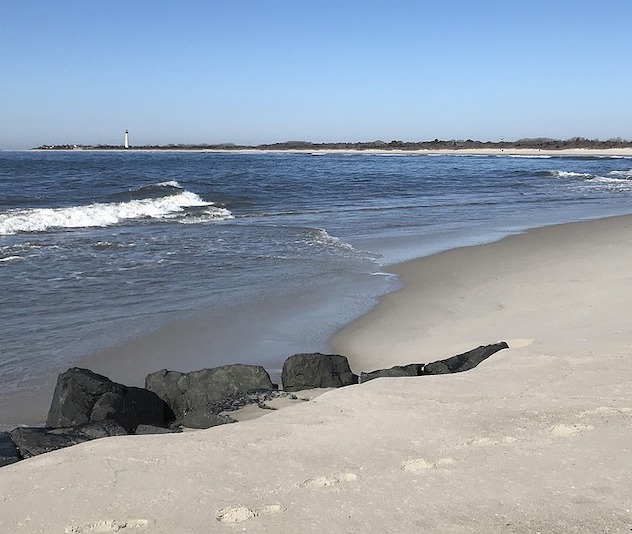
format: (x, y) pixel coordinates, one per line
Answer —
(569, 430)
(109, 525)
(607, 410)
(420, 464)
(323, 482)
(237, 514)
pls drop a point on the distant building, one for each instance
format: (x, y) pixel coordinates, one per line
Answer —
(126, 139)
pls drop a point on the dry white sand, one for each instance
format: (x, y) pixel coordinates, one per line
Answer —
(538, 438)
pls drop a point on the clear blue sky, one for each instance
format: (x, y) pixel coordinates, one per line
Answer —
(247, 71)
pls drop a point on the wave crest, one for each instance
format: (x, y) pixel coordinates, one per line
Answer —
(107, 214)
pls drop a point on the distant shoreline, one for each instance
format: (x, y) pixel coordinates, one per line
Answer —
(525, 146)
(519, 152)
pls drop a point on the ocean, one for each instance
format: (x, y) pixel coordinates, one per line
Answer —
(127, 262)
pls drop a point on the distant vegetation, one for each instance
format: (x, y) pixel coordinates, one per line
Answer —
(539, 143)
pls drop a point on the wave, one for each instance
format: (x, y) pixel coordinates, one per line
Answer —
(569, 174)
(320, 237)
(169, 183)
(108, 214)
(619, 180)
(625, 175)
(161, 189)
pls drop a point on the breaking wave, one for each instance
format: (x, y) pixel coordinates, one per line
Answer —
(320, 237)
(171, 206)
(620, 180)
(569, 174)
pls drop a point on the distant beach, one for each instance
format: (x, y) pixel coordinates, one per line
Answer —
(574, 152)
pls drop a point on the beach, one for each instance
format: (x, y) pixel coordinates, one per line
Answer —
(129, 262)
(535, 439)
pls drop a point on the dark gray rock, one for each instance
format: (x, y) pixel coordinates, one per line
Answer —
(171, 387)
(76, 392)
(202, 418)
(199, 394)
(463, 362)
(130, 407)
(82, 396)
(33, 441)
(8, 451)
(412, 369)
(151, 429)
(316, 370)
(258, 397)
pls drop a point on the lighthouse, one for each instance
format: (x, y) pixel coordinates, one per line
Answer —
(126, 139)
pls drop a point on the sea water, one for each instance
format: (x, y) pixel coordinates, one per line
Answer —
(128, 262)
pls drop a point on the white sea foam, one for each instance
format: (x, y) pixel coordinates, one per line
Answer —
(531, 156)
(10, 258)
(170, 183)
(103, 214)
(321, 237)
(570, 174)
(626, 175)
(620, 184)
(386, 275)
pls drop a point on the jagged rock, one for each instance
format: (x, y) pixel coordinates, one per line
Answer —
(152, 429)
(8, 451)
(463, 362)
(316, 370)
(200, 392)
(412, 369)
(82, 396)
(33, 441)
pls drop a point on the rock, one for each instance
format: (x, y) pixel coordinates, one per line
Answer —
(202, 418)
(151, 429)
(316, 370)
(204, 392)
(170, 386)
(76, 392)
(8, 451)
(33, 441)
(82, 397)
(258, 397)
(129, 407)
(412, 369)
(463, 362)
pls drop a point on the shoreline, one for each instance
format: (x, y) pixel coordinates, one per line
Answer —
(509, 152)
(531, 440)
(129, 361)
(422, 280)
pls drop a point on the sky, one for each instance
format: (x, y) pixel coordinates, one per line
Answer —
(252, 72)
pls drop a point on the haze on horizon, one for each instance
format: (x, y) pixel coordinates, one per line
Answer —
(251, 72)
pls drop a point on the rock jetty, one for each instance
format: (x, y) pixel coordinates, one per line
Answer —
(86, 405)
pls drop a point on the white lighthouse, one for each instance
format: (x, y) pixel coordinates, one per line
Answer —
(126, 139)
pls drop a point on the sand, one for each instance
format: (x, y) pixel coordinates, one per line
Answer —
(538, 438)
(520, 152)
(525, 152)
